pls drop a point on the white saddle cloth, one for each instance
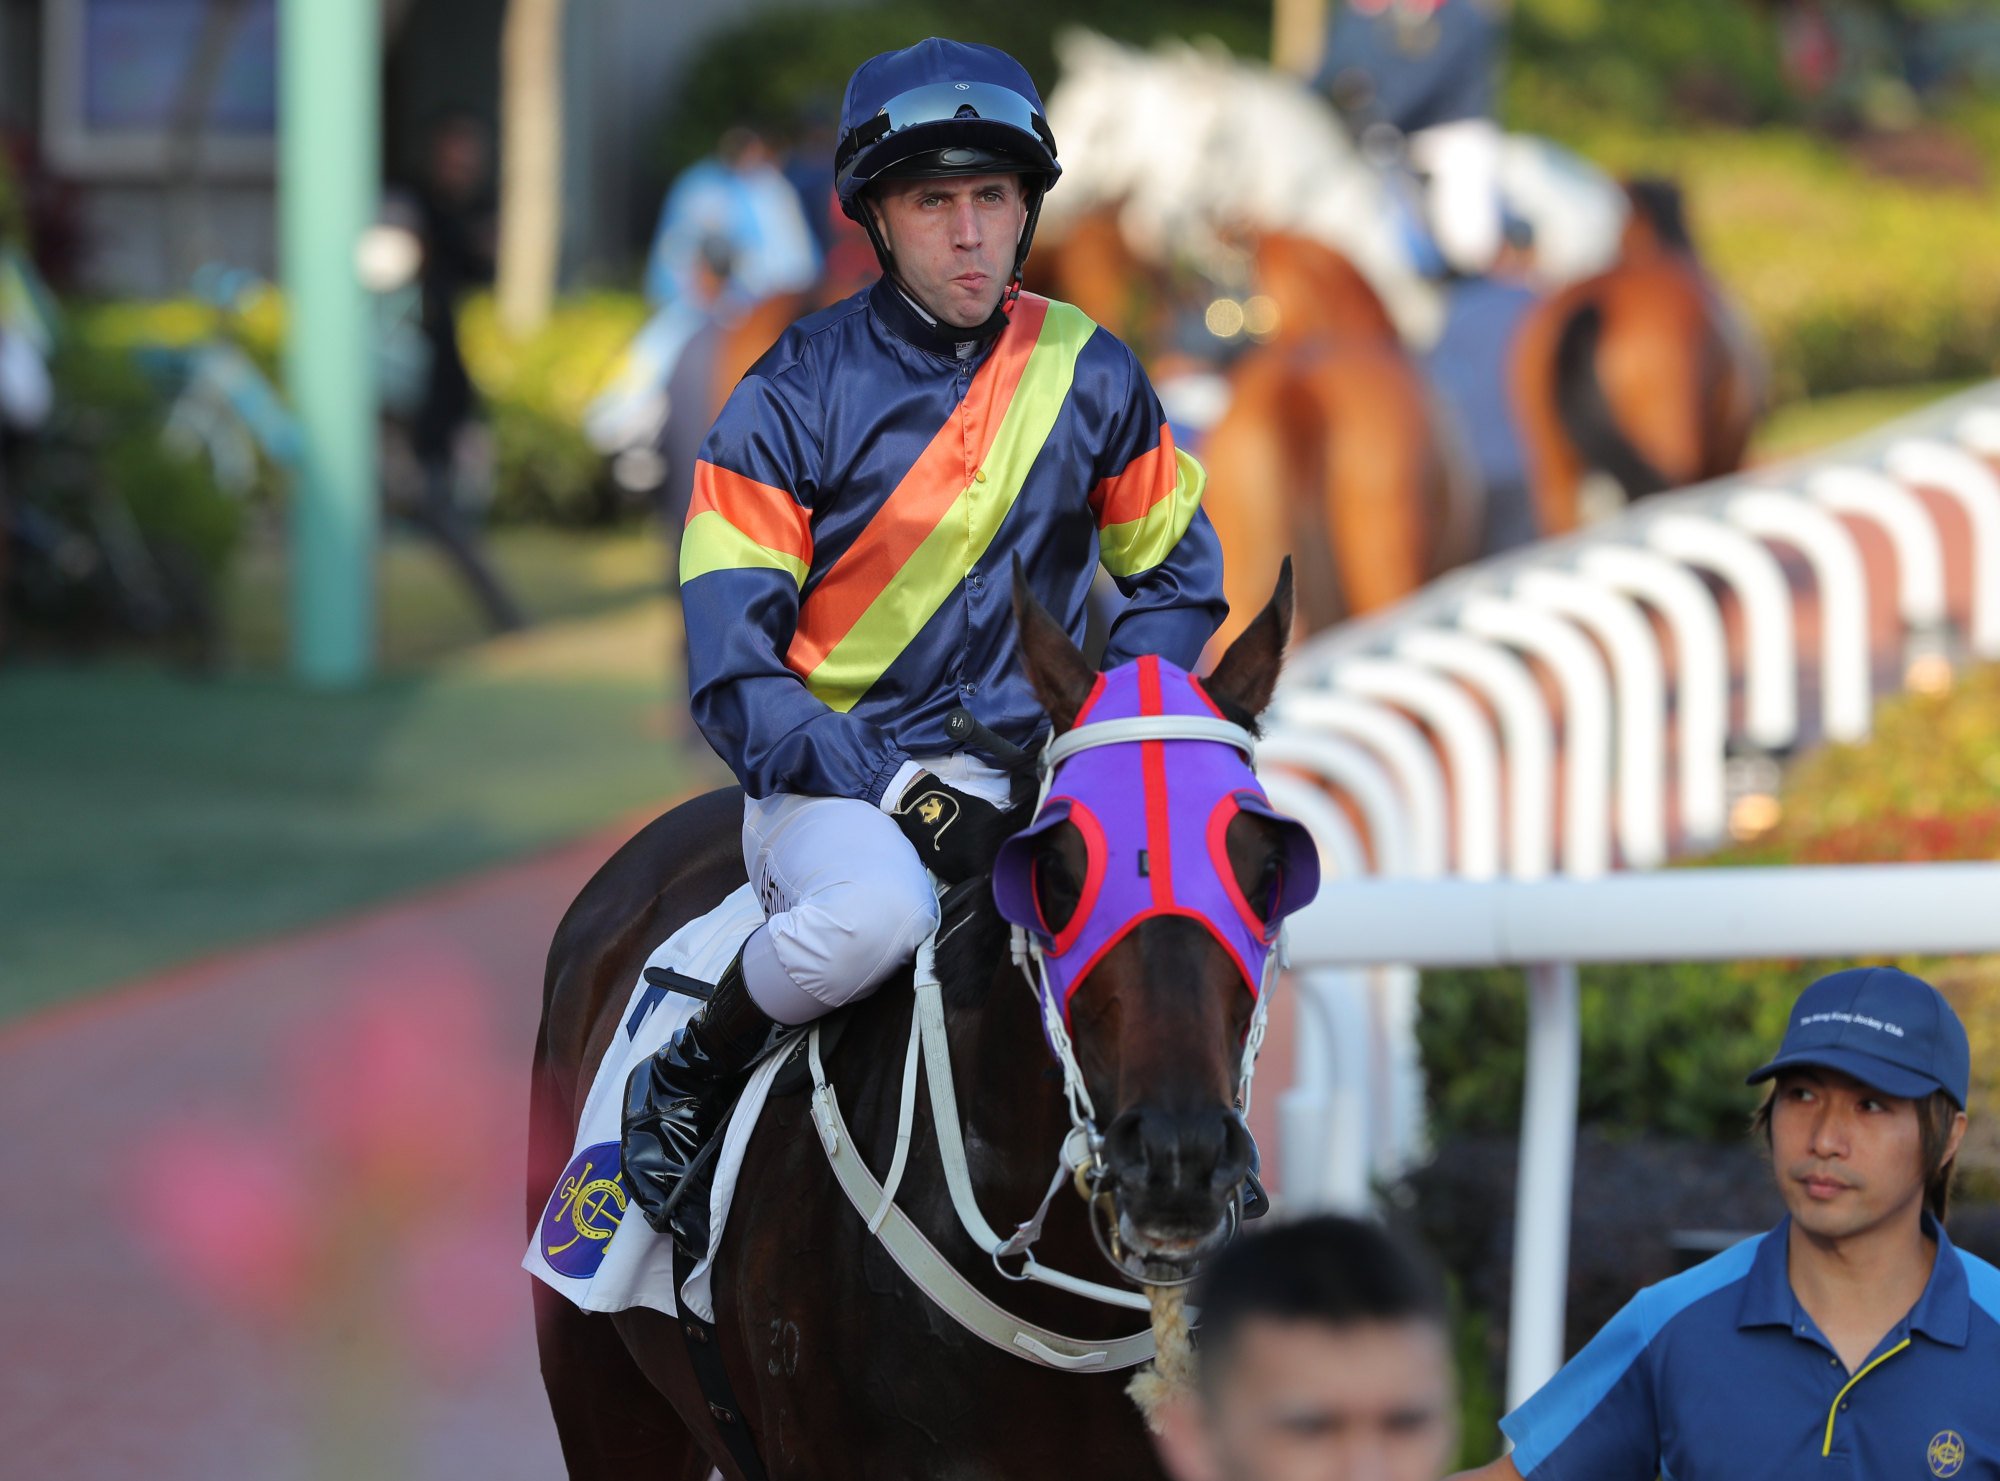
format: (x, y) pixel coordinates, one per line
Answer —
(584, 1246)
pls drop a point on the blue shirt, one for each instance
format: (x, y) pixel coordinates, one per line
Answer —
(1426, 65)
(1720, 1373)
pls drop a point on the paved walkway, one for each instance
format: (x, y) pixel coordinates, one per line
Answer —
(263, 1215)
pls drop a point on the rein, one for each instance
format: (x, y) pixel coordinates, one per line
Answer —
(1079, 1160)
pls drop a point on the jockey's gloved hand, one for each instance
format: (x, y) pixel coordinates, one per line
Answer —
(955, 833)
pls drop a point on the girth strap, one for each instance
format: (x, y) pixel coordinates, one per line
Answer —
(704, 1352)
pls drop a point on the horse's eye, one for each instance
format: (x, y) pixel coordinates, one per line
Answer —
(1270, 888)
(1057, 889)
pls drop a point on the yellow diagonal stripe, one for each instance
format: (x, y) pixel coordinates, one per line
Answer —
(961, 538)
(1141, 544)
(711, 543)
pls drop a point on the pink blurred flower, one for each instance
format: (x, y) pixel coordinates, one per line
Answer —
(230, 1211)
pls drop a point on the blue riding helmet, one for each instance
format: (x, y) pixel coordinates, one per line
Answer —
(941, 98)
(938, 109)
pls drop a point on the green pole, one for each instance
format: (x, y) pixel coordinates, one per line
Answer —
(329, 83)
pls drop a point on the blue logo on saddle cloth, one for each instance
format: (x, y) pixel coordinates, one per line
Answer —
(584, 1212)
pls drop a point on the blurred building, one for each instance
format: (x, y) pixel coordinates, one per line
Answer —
(149, 125)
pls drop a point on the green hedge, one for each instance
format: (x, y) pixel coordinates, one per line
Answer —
(107, 427)
(1665, 1048)
(536, 392)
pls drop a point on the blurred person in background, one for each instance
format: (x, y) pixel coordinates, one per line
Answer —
(1325, 1356)
(27, 340)
(859, 508)
(807, 165)
(1430, 70)
(1853, 1339)
(734, 208)
(455, 224)
(739, 196)
(689, 391)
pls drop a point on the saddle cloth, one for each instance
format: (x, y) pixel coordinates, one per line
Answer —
(584, 1246)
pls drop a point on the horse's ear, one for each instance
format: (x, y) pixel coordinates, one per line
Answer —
(1245, 675)
(1062, 677)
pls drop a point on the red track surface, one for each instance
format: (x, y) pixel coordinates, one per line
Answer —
(263, 1214)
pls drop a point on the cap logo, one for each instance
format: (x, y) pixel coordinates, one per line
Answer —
(1836, 1016)
(964, 87)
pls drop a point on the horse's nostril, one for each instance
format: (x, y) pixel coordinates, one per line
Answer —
(1177, 1151)
(1125, 1147)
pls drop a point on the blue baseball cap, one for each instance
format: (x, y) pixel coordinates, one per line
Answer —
(1886, 1028)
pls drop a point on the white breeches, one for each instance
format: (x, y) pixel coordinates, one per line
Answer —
(846, 900)
(1463, 162)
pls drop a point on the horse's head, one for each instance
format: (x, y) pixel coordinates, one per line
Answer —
(1153, 880)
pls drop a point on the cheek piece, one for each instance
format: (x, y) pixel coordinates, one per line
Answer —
(1151, 775)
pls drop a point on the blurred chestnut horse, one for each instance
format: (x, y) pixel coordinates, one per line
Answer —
(1334, 449)
(842, 1368)
(1644, 372)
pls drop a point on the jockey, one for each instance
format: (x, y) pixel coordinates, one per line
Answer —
(858, 509)
(1430, 70)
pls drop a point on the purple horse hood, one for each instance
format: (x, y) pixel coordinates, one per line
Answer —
(1154, 815)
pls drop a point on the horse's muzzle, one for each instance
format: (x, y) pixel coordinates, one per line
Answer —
(1174, 1178)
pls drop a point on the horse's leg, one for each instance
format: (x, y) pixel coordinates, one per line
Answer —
(1380, 467)
(1653, 364)
(1555, 472)
(1253, 479)
(613, 1422)
(1739, 378)
(609, 1416)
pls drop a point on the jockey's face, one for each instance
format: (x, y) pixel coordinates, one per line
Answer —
(953, 241)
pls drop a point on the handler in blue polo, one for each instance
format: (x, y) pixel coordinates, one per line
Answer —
(1852, 1340)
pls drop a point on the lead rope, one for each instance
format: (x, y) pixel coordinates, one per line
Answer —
(1170, 1375)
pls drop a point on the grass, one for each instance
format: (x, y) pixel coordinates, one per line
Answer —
(427, 615)
(153, 817)
(1801, 427)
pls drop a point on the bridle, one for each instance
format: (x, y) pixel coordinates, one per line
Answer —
(1080, 1161)
(1083, 1148)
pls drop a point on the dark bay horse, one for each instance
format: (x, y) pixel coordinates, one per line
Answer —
(843, 1368)
(1645, 372)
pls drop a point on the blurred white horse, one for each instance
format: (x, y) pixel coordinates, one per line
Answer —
(1191, 143)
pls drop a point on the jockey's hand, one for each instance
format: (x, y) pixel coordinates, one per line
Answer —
(955, 833)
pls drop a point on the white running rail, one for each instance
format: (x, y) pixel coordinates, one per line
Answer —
(1510, 818)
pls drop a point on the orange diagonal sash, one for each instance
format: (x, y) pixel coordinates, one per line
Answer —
(923, 497)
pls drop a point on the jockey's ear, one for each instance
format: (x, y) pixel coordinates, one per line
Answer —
(1244, 677)
(1058, 670)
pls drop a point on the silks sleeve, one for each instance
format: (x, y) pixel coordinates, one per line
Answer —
(744, 558)
(1152, 536)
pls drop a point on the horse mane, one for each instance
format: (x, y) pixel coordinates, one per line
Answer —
(1659, 203)
(971, 936)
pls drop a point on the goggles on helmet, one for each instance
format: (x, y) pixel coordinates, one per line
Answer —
(1012, 126)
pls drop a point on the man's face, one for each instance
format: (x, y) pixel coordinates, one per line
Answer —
(1304, 1401)
(953, 241)
(1848, 1158)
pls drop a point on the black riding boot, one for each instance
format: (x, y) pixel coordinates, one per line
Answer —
(675, 1102)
